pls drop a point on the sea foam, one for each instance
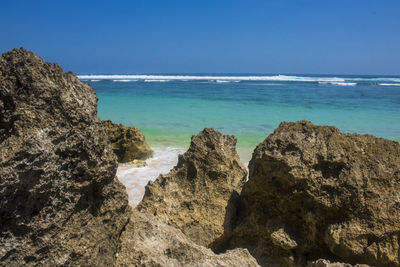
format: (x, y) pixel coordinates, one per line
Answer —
(155, 80)
(136, 178)
(342, 81)
(124, 80)
(214, 78)
(339, 83)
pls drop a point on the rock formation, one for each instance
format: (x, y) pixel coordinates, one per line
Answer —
(128, 143)
(198, 195)
(147, 241)
(314, 192)
(326, 263)
(315, 197)
(187, 208)
(60, 204)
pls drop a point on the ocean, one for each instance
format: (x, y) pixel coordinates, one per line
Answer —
(169, 109)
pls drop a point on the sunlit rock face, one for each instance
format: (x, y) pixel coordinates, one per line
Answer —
(314, 192)
(60, 203)
(128, 143)
(188, 208)
(198, 196)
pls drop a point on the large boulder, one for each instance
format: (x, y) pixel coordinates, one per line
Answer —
(198, 195)
(60, 203)
(314, 192)
(128, 142)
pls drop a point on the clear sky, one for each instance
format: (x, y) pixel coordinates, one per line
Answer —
(208, 36)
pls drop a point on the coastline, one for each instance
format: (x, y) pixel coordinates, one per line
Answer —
(135, 177)
(167, 146)
(60, 187)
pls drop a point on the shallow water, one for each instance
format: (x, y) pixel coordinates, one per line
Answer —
(169, 109)
(136, 178)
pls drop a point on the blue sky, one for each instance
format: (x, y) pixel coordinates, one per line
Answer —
(248, 36)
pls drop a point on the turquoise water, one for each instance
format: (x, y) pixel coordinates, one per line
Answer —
(169, 109)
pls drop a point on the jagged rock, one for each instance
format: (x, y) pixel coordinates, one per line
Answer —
(197, 196)
(60, 203)
(128, 143)
(281, 239)
(186, 209)
(337, 196)
(147, 241)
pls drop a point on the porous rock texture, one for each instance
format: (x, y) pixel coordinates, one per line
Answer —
(314, 192)
(60, 203)
(198, 196)
(128, 142)
(187, 208)
(147, 241)
(326, 263)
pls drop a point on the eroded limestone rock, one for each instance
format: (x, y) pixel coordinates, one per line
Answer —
(326, 263)
(198, 195)
(60, 203)
(147, 241)
(335, 195)
(187, 208)
(128, 143)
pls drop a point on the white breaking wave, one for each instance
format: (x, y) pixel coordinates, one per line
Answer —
(223, 81)
(375, 79)
(389, 84)
(339, 83)
(124, 81)
(136, 178)
(282, 78)
(156, 80)
(95, 80)
(217, 78)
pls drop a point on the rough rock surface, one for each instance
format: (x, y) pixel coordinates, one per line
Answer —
(60, 203)
(198, 195)
(128, 143)
(326, 263)
(314, 192)
(186, 209)
(149, 242)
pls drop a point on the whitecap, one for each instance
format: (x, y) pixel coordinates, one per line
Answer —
(224, 81)
(389, 84)
(283, 78)
(155, 80)
(213, 78)
(339, 83)
(124, 81)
